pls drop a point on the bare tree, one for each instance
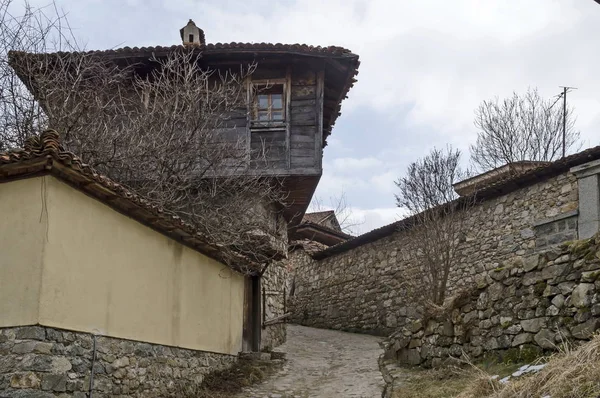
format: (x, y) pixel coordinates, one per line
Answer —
(170, 133)
(519, 128)
(436, 224)
(346, 217)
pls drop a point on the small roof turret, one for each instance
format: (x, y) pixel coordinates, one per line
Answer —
(191, 35)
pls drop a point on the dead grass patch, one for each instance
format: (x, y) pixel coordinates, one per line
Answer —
(451, 381)
(571, 373)
(228, 382)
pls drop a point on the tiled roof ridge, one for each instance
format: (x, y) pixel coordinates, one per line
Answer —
(325, 228)
(305, 48)
(48, 144)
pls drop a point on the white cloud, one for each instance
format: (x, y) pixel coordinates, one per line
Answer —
(368, 219)
(349, 165)
(425, 66)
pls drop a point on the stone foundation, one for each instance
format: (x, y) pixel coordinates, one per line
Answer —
(43, 362)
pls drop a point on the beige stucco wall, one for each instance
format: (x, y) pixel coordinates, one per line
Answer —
(23, 222)
(106, 273)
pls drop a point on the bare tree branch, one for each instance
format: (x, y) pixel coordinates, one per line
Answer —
(171, 131)
(347, 219)
(439, 222)
(519, 128)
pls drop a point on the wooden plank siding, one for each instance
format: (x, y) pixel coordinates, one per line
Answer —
(304, 114)
(293, 147)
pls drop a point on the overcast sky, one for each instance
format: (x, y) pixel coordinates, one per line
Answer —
(425, 66)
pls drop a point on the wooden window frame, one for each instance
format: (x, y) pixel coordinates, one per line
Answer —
(256, 124)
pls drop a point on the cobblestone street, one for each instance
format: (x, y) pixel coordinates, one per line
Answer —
(324, 363)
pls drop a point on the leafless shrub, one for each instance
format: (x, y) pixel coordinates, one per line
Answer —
(169, 128)
(521, 127)
(348, 220)
(437, 222)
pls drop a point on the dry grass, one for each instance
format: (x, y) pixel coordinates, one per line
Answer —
(227, 383)
(451, 381)
(572, 373)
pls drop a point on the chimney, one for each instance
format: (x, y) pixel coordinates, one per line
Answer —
(191, 35)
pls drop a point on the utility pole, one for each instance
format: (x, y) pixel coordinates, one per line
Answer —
(566, 89)
(564, 121)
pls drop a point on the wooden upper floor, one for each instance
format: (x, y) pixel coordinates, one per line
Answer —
(294, 97)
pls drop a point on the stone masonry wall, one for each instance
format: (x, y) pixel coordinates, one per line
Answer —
(515, 311)
(43, 362)
(362, 289)
(273, 285)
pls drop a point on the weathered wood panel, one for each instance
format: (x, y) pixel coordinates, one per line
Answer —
(303, 117)
(302, 139)
(303, 152)
(269, 147)
(304, 92)
(303, 161)
(305, 130)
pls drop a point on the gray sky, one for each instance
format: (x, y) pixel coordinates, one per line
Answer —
(425, 66)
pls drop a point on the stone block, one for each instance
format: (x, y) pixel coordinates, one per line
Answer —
(490, 343)
(552, 311)
(554, 271)
(545, 339)
(514, 329)
(522, 338)
(504, 341)
(566, 287)
(54, 382)
(558, 301)
(25, 380)
(409, 357)
(23, 347)
(278, 355)
(30, 333)
(590, 276)
(585, 330)
(581, 295)
(533, 325)
(550, 291)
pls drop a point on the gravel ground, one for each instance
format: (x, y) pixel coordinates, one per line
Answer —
(324, 363)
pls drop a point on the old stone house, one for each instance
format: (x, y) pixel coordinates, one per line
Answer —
(84, 268)
(358, 285)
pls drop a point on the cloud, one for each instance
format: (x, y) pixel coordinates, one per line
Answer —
(425, 67)
(368, 219)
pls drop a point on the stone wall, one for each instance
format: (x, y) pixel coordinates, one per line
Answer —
(273, 286)
(44, 362)
(515, 311)
(363, 289)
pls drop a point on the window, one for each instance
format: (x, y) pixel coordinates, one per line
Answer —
(269, 104)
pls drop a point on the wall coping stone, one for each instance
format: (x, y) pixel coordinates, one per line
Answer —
(562, 216)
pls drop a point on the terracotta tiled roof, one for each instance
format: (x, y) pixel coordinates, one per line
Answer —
(229, 47)
(491, 191)
(318, 216)
(344, 56)
(44, 154)
(309, 246)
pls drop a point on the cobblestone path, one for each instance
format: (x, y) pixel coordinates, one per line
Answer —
(324, 364)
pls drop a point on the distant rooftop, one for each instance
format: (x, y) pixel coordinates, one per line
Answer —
(510, 170)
